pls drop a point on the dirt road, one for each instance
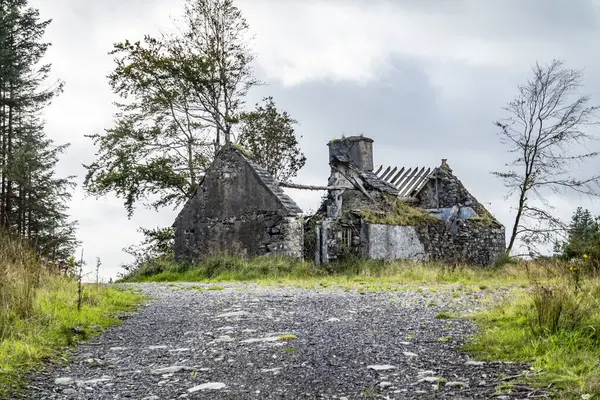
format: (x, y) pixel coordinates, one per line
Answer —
(254, 342)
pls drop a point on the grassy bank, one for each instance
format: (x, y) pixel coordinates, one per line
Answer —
(555, 326)
(271, 269)
(38, 311)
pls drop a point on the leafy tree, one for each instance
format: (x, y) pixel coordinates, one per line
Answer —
(158, 243)
(156, 148)
(269, 135)
(181, 94)
(546, 123)
(216, 32)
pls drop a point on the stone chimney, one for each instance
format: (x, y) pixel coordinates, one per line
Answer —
(445, 165)
(358, 148)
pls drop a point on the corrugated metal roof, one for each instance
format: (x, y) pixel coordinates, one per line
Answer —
(408, 181)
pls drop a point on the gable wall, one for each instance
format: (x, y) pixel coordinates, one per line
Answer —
(232, 188)
(450, 192)
(233, 212)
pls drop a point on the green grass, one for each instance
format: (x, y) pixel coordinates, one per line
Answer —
(366, 275)
(399, 213)
(28, 342)
(443, 315)
(551, 326)
(286, 337)
(291, 350)
(444, 339)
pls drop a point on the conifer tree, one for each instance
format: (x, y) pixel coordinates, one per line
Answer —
(33, 200)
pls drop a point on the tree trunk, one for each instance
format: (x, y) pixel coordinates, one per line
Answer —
(3, 156)
(9, 157)
(513, 235)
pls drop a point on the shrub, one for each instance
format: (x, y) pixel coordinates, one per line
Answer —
(556, 307)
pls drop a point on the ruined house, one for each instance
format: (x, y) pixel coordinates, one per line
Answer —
(239, 209)
(391, 212)
(422, 213)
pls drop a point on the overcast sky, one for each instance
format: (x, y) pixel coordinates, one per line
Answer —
(424, 78)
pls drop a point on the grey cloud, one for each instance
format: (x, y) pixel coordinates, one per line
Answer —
(417, 111)
(505, 19)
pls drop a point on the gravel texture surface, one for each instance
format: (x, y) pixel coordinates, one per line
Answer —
(254, 342)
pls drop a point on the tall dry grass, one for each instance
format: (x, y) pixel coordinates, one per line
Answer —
(20, 271)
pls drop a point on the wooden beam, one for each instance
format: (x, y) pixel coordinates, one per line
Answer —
(316, 187)
(309, 187)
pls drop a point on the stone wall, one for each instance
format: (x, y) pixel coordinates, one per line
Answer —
(238, 210)
(392, 242)
(445, 192)
(475, 242)
(249, 235)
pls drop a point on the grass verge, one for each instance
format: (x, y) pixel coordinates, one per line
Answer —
(38, 312)
(555, 327)
(270, 270)
(43, 335)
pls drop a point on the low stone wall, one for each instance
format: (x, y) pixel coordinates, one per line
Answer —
(474, 243)
(247, 235)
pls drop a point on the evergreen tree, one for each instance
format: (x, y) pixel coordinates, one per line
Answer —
(33, 201)
(583, 236)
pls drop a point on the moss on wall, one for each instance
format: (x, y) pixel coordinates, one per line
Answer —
(486, 220)
(399, 213)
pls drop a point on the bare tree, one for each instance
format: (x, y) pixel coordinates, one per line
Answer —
(545, 132)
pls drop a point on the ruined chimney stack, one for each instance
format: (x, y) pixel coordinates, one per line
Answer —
(444, 164)
(359, 149)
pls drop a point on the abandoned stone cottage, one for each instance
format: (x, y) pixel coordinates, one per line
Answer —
(422, 213)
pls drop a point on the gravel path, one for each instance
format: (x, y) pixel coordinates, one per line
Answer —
(254, 342)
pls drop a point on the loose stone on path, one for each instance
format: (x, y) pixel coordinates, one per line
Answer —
(208, 386)
(384, 367)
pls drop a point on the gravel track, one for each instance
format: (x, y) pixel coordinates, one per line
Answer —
(194, 343)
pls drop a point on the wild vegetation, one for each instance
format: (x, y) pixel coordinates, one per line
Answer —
(267, 269)
(39, 314)
(399, 213)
